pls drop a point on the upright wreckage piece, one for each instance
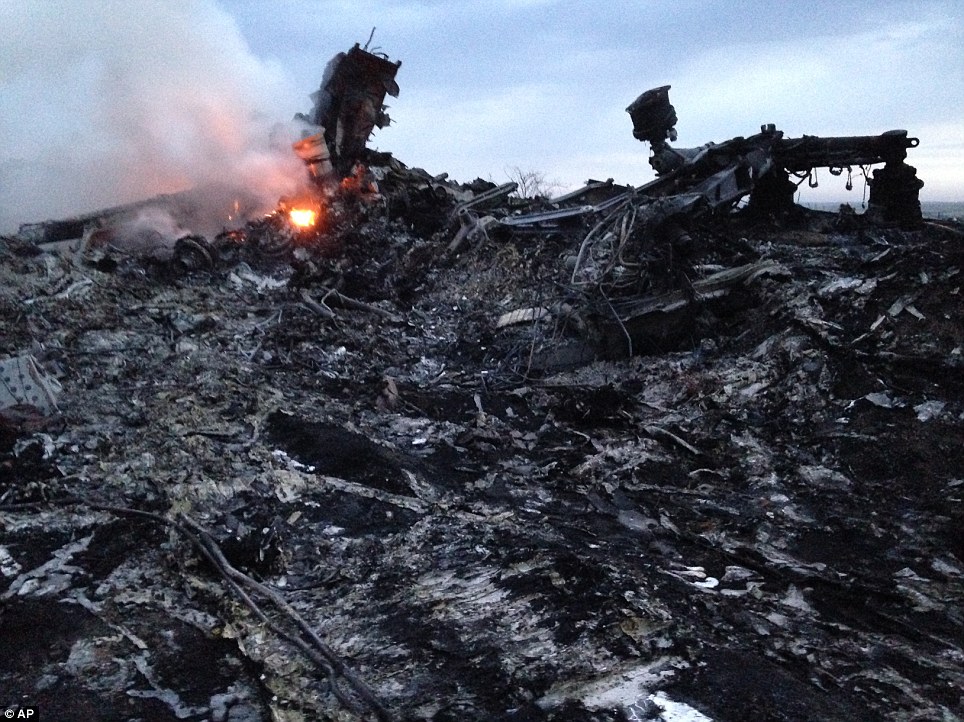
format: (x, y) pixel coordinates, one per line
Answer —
(347, 107)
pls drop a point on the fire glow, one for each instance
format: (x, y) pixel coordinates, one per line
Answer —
(303, 218)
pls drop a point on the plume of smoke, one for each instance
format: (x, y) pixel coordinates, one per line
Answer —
(108, 103)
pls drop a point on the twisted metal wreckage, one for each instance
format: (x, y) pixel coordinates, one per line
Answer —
(624, 288)
(624, 293)
(612, 268)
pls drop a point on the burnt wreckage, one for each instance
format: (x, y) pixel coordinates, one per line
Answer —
(409, 449)
(348, 106)
(715, 176)
(620, 272)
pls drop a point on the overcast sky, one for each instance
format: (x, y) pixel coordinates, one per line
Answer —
(102, 101)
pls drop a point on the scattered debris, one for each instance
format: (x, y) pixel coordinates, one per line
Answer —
(419, 450)
(23, 383)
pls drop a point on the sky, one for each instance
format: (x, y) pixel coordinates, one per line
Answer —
(104, 102)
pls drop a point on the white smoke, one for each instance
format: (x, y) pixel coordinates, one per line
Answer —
(150, 231)
(104, 103)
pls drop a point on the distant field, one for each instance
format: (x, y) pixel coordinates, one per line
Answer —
(930, 209)
(945, 209)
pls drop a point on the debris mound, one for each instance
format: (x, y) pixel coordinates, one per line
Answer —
(406, 448)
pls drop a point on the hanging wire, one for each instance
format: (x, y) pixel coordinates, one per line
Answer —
(802, 175)
(864, 170)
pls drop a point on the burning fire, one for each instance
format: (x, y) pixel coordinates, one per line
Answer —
(303, 218)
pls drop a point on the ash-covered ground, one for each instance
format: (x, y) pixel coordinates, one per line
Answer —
(757, 516)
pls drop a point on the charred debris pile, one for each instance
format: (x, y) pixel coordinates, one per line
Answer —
(410, 449)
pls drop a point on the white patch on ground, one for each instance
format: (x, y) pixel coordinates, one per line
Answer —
(620, 688)
(52, 577)
(8, 565)
(627, 689)
(677, 711)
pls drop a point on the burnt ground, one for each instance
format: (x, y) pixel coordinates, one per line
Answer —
(761, 521)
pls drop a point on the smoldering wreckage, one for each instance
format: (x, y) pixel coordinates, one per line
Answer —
(410, 449)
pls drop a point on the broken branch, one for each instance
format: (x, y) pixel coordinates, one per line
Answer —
(316, 307)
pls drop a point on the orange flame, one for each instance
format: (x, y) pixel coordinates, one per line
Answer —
(303, 217)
